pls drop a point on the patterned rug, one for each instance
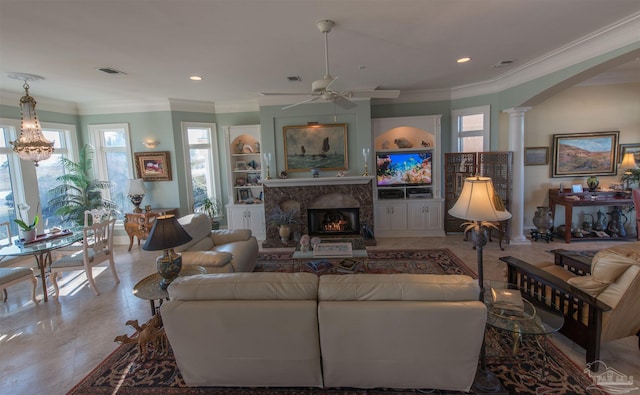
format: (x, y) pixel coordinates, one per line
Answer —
(120, 373)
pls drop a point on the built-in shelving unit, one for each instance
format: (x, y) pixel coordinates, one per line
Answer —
(245, 209)
(414, 208)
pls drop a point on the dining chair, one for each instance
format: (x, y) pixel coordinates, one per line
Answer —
(96, 215)
(13, 275)
(97, 247)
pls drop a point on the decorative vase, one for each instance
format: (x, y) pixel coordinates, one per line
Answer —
(542, 219)
(168, 265)
(285, 232)
(28, 235)
(304, 248)
(592, 183)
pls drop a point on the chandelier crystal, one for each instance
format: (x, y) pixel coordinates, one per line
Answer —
(31, 145)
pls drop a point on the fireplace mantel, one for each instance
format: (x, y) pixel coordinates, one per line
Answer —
(302, 182)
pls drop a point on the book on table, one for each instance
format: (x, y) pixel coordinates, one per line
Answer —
(507, 299)
(332, 250)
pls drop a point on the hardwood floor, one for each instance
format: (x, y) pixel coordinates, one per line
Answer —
(47, 348)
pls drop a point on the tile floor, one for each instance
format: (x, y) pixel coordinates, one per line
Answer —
(47, 348)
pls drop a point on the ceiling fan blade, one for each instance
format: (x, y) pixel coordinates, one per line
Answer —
(343, 102)
(376, 94)
(302, 102)
(282, 94)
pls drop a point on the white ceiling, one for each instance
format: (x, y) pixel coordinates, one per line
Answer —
(243, 47)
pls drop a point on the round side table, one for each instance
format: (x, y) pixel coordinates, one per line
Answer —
(149, 287)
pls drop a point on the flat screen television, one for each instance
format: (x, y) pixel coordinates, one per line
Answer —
(403, 168)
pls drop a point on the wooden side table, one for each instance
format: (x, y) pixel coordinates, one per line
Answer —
(149, 287)
(140, 224)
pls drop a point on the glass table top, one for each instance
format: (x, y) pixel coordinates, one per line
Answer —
(10, 247)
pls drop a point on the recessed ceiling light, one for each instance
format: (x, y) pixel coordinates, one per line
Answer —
(195, 78)
(463, 60)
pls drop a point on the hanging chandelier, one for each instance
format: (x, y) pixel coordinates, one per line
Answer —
(31, 145)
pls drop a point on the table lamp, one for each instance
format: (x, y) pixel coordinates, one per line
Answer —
(480, 204)
(166, 234)
(628, 164)
(136, 193)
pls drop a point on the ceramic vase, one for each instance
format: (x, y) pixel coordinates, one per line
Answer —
(285, 232)
(28, 235)
(542, 219)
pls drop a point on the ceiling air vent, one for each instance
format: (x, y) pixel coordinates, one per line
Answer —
(503, 63)
(111, 70)
(294, 78)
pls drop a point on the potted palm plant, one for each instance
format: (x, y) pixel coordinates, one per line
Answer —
(283, 219)
(79, 190)
(212, 208)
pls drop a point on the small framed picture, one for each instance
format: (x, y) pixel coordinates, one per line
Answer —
(576, 188)
(153, 166)
(253, 178)
(536, 156)
(244, 195)
(241, 165)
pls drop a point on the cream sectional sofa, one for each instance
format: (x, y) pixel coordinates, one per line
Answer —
(218, 251)
(301, 330)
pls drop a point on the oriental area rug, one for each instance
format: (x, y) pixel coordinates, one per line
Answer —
(121, 373)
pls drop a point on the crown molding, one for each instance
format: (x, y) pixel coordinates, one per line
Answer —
(234, 106)
(191, 106)
(618, 35)
(12, 99)
(123, 106)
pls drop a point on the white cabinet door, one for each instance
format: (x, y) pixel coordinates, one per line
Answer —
(390, 216)
(247, 216)
(424, 215)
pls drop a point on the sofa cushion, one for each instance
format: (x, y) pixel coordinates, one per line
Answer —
(245, 286)
(588, 285)
(198, 226)
(607, 265)
(206, 258)
(398, 287)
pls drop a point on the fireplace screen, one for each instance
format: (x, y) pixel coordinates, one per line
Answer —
(341, 221)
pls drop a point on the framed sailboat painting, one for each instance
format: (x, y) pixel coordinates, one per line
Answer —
(313, 146)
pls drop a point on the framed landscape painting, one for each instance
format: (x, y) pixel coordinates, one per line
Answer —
(585, 154)
(536, 156)
(321, 147)
(624, 148)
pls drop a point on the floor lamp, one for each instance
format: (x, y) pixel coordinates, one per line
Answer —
(481, 205)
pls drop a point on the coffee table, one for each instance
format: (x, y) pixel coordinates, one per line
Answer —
(535, 320)
(149, 287)
(358, 250)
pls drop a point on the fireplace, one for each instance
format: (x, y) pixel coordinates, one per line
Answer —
(344, 203)
(334, 221)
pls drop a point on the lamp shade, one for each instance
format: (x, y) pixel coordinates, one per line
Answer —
(136, 187)
(166, 233)
(628, 162)
(479, 202)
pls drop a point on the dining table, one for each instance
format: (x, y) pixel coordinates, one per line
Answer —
(40, 248)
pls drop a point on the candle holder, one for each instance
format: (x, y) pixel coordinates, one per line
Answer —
(365, 155)
(267, 158)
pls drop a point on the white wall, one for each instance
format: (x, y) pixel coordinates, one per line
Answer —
(595, 108)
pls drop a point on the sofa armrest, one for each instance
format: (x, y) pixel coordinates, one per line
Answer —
(517, 266)
(230, 236)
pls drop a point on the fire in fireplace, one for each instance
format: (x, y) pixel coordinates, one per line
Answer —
(334, 221)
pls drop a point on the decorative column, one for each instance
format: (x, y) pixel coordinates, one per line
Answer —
(516, 144)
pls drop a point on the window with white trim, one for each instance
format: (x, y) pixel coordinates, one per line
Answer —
(471, 129)
(202, 173)
(22, 182)
(113, 160)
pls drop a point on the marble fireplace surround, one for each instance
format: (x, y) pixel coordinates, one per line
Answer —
(321, 192)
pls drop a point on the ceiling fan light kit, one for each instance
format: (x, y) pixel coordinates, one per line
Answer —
(320, 89)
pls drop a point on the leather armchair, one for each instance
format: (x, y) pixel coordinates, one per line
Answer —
(599, 304)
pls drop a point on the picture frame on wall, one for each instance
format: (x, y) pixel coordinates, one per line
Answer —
(321, 147)
(585, 154)
(624, 148)
(153, 166)
(536, 156)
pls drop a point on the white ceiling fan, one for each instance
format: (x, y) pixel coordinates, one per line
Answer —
(321, 89)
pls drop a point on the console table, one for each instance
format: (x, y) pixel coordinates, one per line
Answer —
(140, 224)
(570, 200)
